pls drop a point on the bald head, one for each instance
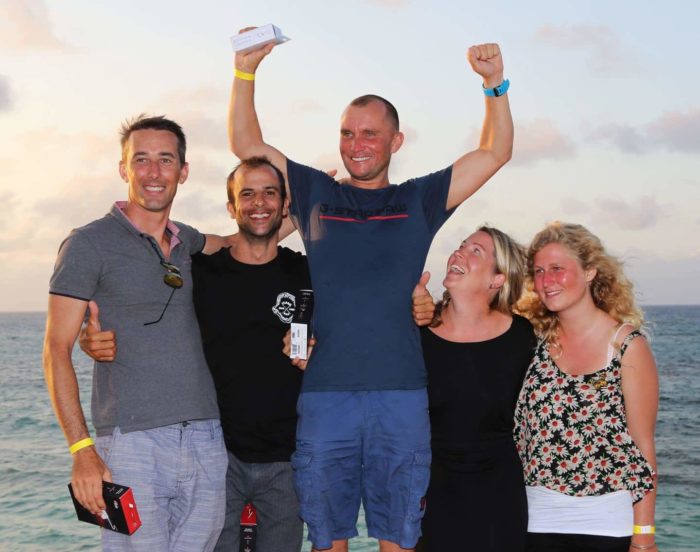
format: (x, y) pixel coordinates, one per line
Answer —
(391, 114)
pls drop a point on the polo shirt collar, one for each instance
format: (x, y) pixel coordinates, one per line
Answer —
(119, 213)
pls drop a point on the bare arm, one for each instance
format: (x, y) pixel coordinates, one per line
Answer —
(65, 316)
(472, 170)
(245, 136)
(640, 390)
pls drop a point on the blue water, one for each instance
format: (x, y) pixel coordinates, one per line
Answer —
(36, 512)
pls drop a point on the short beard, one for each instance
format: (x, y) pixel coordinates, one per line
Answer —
(267, 237)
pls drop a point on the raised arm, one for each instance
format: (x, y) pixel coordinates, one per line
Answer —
(65, 315)
(245, 136)
(473, 169)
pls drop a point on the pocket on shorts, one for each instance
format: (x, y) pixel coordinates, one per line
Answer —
(420, 477)
(305, 486)
(104, 445)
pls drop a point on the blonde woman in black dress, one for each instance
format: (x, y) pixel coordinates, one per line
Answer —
(476, 354)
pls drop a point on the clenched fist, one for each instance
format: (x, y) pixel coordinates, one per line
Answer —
(487, 62)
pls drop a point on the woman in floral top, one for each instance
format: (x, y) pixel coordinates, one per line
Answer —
(584, 424)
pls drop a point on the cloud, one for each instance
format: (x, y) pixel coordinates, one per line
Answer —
(627, 138)
(201, 97)
(663, 281)
(677, 131)
(307, 105)
(203, 131)
(637, 214)
(388, 3)
(574, 206)
(25, 25)
(327, 161)
(410, 135)
(5, 97)
(193, 109)
(540, 139)
(602, 46)
(674, 131)
(207, 172)
(80, 201)
(8, 200)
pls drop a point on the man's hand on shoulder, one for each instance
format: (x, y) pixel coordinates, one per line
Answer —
(487, 62)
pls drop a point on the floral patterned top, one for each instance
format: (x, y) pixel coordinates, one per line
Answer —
(571, 431)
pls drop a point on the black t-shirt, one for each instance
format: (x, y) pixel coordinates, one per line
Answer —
(473, 388)
(243, 312)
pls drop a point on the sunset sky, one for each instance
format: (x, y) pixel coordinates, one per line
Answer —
(605, 97)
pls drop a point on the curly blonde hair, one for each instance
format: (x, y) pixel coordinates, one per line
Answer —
(509, 261)
(611, 290)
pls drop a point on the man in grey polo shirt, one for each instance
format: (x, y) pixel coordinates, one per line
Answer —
(154, 407)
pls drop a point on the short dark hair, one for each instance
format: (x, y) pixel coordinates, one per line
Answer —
(254, 163)
(158, 122)
(391, 112)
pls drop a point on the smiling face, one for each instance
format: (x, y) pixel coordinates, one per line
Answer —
(259, 207)
(367, 140)
(560, 280)
(472, 267)
(152, 168)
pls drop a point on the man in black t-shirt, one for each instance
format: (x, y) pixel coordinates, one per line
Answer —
(244, 297)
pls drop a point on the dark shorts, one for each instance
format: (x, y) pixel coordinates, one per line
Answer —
(362, 446)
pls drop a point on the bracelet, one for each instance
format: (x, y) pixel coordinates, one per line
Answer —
(80, 445)
(243, 75)
(497, 90)
(643, 546)
(643, 529)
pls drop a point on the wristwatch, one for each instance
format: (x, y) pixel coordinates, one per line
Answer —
(498, 90)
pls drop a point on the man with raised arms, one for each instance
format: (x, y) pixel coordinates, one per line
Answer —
(363, 432)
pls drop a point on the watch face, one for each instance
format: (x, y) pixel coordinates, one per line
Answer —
(498, 90)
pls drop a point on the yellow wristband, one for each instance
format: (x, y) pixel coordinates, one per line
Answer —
(75, 447)
(644, 529)
(244, 76)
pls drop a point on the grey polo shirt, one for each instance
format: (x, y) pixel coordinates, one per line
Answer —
(159, 376)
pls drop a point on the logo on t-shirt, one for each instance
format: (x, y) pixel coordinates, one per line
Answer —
(284, 307)
(347, 214)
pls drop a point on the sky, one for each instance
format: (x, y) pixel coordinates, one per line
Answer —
(605, 98)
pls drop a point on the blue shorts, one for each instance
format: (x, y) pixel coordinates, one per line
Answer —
(369, 446)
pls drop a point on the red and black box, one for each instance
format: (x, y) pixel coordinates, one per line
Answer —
(120, 513)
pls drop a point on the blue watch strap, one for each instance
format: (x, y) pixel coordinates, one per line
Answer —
(498, 90)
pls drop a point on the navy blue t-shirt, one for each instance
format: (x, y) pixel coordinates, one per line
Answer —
(366, 250)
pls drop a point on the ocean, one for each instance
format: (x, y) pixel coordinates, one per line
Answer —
(36, 512)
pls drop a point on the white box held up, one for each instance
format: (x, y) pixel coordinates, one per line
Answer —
(255, 38)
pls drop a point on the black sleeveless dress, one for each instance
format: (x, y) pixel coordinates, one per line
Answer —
(476, 498)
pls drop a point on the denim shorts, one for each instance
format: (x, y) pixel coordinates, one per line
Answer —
(362, 446)
(178, 477)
